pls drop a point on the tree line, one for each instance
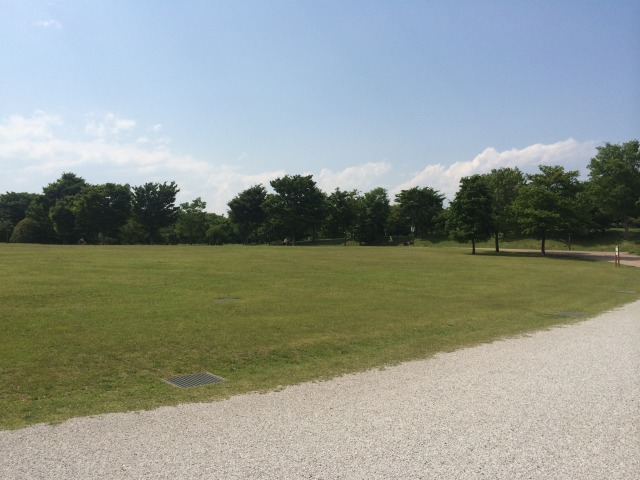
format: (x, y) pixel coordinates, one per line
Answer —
(499, 204)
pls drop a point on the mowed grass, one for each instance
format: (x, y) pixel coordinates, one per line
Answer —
(93, 329)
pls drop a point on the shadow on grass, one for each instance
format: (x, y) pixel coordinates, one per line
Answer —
(493, 253)
(571, 256)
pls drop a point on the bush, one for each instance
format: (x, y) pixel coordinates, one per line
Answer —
(26, 231)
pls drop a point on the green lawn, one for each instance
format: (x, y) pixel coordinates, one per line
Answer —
(91, 329)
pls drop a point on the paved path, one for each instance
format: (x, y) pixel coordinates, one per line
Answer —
(625, 257)
(557, 404)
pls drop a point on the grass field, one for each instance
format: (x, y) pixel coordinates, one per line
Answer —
(87, 329)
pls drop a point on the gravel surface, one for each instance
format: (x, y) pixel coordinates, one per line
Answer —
(559, 404)
(625, 257)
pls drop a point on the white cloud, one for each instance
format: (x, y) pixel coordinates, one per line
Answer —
(571, 154)
(219, 184)
(111, 124)
(51, 23)
(40, 125)
(360, 177)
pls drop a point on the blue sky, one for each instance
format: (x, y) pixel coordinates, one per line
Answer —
(222, 95)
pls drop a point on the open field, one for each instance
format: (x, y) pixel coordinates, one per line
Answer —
(94, 329)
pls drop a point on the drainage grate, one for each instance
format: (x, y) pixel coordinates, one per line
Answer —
(195, 380)
(227, 299)
(569, 314)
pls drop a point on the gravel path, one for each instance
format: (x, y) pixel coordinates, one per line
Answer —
(559, 404)
(626, 258)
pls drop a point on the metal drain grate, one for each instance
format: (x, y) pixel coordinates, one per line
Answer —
(195, 380)
(569, 314)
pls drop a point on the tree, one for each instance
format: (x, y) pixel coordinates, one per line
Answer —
(192, 220)
(504, 183)
(220, 230)
(41, 228)
(615, 180)
(420, 208)
(66, 187)
(246, 211)
(63, 218)
(13, 208)
(154, 207)
(342, 213)
(132, 233)
(470, 212)
(102, 211)
(274, 227)
(548, 203)
(298, 205)
(373, 213)
(6, 229)
(26, 231)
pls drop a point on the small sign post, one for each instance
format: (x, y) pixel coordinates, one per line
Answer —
(617, 257)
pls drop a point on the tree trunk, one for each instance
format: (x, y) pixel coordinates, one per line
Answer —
(543, 240)
(473, 246)
(497, 243)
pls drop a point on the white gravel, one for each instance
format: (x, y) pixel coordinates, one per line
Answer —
(557, 404)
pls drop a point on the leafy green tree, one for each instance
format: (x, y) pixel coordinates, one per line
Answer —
(41, 229)
(341, 213)
(66, 187)
(420, 208)
(132, 233)
(246, 211)
(26, 231)
(373, 213)
(192, 220)
(6, 229)
(549, 203)
(397, 225)
(614, 181)
(297, 207)
(154, 207)
(63, 218)
(274, 227)
(13, 208)
(470, 212)
(102, 211)
(504, 183)
(220, 230)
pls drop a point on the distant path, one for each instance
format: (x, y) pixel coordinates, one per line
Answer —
(625, 258)
(563, 403)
